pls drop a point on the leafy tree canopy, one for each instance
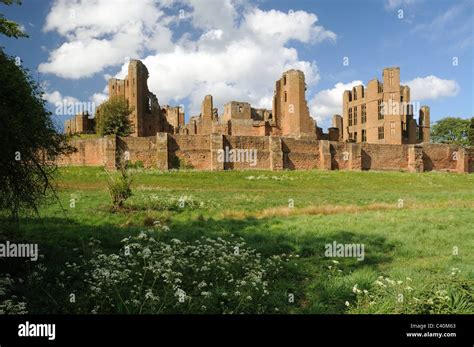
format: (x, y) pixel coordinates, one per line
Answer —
(451, 130)
(112, 117)
(7, 27)
(29, 141)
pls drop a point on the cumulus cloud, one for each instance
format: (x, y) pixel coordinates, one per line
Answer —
(235, 51)
(101, 33)
(282, 27)
(99, 98)
(432, 87)
(328, 102)
(56, 97)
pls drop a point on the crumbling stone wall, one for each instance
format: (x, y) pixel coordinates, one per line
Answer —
(300, 153)
(259, 144)
(384, 157)
(439, 157)
(138, 149)
(90, 152)
(166, 151)
(190, 151)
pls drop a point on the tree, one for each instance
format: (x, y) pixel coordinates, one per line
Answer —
(7, 27)
(451, 130)
(112, 117)
(470, 135)
(29, 141)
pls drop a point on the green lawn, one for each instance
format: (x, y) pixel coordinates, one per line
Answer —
(415, 226)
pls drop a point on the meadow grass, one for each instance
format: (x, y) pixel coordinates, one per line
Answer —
(410, 224)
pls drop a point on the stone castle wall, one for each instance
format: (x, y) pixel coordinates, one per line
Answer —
(167, 151)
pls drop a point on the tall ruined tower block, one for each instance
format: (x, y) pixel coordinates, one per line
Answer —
(424, 124)
(290, 109)
(137, 94)
(207, 108)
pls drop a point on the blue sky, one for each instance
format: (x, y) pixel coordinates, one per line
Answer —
(236, 49)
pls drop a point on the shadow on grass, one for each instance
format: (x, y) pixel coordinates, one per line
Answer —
(62, 240)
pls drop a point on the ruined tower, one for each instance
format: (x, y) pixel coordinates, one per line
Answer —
(146, 115)
(290, 109)
(206, 108)
(424, 124)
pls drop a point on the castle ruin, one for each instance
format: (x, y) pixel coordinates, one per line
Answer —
(377, 131)
(382, 113)
(288, 117)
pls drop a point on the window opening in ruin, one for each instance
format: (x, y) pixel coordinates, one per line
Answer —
(381, 133)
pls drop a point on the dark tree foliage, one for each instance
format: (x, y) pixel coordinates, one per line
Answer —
(470, 134)
(112, 117)
(7, 27)
(29, 141)
(451, 130)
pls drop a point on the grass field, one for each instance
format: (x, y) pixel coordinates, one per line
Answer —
(417, 232)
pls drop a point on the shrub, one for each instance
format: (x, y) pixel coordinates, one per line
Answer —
(120, 188)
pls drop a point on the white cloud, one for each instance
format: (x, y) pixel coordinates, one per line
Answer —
(101, 33)
(237, 68)
(56, 97)
(281, 27)
(99, 98)
(328, 102)
(234, 52)
(431, 87)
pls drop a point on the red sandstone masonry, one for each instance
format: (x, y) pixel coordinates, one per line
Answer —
(90, 152)
(300, 154)
(439, 157)
(193, 151)
(259, 143)
(165, 151)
